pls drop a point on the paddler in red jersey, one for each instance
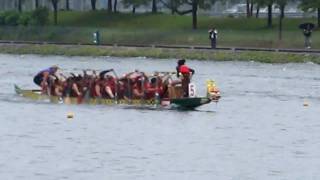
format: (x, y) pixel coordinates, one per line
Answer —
(105, 85)
(185, 73)
(42, 78)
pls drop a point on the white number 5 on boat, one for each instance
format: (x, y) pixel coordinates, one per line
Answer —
(192, 90)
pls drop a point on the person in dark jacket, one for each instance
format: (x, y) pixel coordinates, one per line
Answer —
(213, 35)
(307, 37)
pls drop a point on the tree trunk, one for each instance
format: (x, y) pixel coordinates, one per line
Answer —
(55, 11)
(55, 15)
(258, 10)
(318, 17)
(282, 11)
(37, 4)
(115, 6)
(109, 5)
(67, 5)
(280, 21)
(20, 5)
(194, 14)
(270, 15)
(154, 6)
(93, 4)
(251, 8)
(172, 7)
(248, 8)
(280, 28)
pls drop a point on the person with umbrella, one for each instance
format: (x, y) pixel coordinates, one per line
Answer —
(307, 31)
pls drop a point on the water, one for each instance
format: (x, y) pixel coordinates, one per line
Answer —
(259, 130)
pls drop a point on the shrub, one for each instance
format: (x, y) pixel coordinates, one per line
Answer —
(230, 16)
(2, 19)
(24, 19)
(11, 18)
(40, 16)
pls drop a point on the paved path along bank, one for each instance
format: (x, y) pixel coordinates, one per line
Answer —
(264, 55)
(313, 51)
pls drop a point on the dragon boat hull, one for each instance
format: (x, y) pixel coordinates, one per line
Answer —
(184, 103)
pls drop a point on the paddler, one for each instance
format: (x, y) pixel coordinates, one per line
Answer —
(42, 78)
(184, 73)
(105, 85)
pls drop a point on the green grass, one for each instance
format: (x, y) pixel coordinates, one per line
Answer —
(170, 22)
(77, 27)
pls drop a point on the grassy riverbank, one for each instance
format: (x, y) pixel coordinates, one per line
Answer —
(69, 50)
(77, 27)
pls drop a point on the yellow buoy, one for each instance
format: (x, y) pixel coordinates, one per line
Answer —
(70, 115)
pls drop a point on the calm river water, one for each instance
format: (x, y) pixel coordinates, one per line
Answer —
(259, 130)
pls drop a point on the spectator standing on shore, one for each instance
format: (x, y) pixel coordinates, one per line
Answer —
(213, 34)
(307, 31)
(307, 38)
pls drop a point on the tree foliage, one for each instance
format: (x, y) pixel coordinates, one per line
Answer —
(311, 5)
(55, 9)
(135, 3)
(40, 16)
(179, 7)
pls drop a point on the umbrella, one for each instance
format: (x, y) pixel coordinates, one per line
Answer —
(308, 26)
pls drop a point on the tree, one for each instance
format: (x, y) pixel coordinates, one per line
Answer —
(40, 16)
(174, 5)
(115, 4)
(20, 2)
(251, 7)
(93, 4)
(281, 4)
(67, 5)
(269, 5)
(109, 5)
(260, 4)
(55, 10)
(154, 6)
(248, 8)
(134, 3)
(311, 6)
(36, 4)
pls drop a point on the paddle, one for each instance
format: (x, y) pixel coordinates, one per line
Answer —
(101, 74)
(88, 81)
(157, 99)
(117, 85)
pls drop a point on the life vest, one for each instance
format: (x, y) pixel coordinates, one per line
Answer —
(184, 69)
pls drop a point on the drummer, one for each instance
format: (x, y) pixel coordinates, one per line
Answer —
(185, 73)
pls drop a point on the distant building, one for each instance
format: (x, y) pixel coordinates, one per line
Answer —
(27, 5)
(229, 7)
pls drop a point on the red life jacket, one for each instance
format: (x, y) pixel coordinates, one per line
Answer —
(184, 69)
